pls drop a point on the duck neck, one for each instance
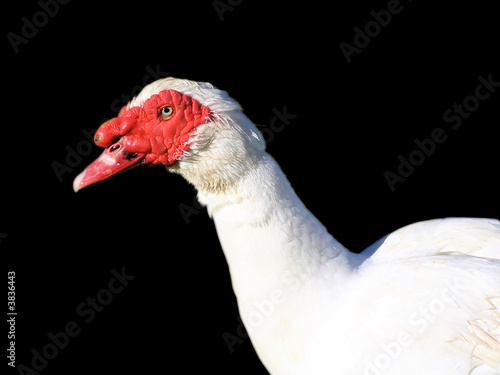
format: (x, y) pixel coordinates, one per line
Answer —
(270, 240)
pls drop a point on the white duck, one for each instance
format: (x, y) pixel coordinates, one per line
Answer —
(423, 300)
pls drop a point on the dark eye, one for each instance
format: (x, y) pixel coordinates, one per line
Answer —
(166, 112)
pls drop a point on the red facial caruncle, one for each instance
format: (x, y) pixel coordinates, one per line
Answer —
(157, 132)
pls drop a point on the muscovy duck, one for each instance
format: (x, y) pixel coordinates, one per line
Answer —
(422, 300)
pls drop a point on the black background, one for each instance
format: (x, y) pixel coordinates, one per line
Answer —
(352, 122)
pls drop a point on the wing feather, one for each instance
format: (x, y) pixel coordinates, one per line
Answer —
(471, 236)
(463, 249)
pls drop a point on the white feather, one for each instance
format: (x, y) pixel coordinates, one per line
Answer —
(423, 300)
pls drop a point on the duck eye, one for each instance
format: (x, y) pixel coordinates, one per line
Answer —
(166, 112)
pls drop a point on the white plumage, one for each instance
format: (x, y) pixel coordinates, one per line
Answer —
(423, 300)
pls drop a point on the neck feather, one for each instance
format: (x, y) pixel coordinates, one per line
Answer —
(269, 237)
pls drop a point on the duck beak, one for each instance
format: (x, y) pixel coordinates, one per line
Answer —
(113, 160)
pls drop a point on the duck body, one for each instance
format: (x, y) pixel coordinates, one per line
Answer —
(424, 302)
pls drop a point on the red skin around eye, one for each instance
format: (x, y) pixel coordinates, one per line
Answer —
(145, 131)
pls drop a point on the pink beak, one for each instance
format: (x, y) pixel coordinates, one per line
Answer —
(113, 160)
